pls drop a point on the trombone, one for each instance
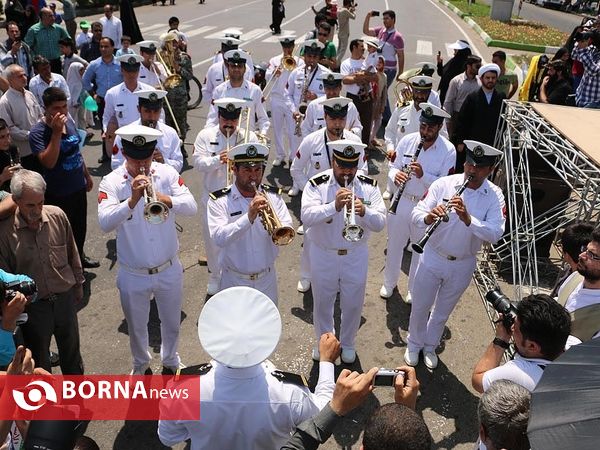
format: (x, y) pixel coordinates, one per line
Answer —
(155, 211)
(351, 231)
(228, 176)
(280, 234)
(288, 63)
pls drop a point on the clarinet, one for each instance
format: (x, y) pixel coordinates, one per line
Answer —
(407, 170)
(418, 247)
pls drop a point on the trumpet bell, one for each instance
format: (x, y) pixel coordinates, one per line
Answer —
(156, 212)
(353, 233)
(283, 235)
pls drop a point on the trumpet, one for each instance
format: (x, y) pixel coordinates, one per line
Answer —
(155, 211)
(280, 235)
(418, 247)
(407, 170)
(351, 231)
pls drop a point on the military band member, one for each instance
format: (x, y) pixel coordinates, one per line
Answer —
(147, 247)
(218, 72)
(237, 87)
(152, 72)
(337, 264)
(315, 118)
(281, 115)
(229, 35)
(436, 159)
(211, 160)
(168, 147)
(405, 119)
(247, 253)
(448, 261)
(120, 101)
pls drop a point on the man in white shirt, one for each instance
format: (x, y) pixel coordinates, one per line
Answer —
(152, 72)
(112, 26)
(358, 86)
(45, 78)
(240, 389)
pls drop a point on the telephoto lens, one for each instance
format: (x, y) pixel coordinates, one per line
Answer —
(502, 304)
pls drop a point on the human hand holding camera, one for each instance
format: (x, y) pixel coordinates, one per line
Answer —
(11, 310)
(351, 389)
(406, 387)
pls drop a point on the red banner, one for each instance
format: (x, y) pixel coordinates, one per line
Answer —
(100, 397)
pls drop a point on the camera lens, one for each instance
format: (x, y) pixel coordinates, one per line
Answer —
(499, 301)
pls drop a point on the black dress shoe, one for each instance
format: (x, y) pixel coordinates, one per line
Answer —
(88, 263)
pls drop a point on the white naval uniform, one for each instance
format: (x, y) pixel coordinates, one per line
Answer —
(248, 408)
(295, 86)
(216, 74)
(281, 115)
(249, 62)
(447, 264)
(248, 254)
(148, 76)
(142, 246)
(247, 91)
(169, 145)
(209, 143)
(437, 161)
(122, 104)
(315, 118)
(337, 265)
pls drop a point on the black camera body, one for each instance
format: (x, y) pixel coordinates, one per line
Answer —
(502, 304)
(27, 288)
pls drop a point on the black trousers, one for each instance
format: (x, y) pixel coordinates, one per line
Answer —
(277, 17)
(75, 207)
(100, 113)
(365, 112)
(57, 316)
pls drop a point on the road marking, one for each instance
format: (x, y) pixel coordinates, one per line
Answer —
(152, 27)
(424, 48)
(200, 30)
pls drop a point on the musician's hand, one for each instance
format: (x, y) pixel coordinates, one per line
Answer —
(223, 157)
(342, 197)
(138, 185)
(258, 203)
(158, 157)
(438, 212)
(310, 95)
(277, 72)
(457, 204)
(401, 177)
(164, 198)
(391, 155)
(296, 115)
(417, 169)
(359, 207)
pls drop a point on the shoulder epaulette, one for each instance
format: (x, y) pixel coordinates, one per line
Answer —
(220, 193)
(315, 181)
(289, 377)
(269, 188)
(367, 180)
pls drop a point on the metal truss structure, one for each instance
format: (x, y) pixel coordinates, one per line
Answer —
(521, 132)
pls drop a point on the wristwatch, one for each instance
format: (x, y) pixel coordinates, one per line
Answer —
(501, 343)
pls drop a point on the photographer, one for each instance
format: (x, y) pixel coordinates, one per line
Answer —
(394, 425)
(540, 328)
(587, 52)
(12, 305)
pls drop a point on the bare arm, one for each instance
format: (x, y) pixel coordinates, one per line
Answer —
(366, 29)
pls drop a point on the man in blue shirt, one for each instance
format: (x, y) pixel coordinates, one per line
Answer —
(102, 74)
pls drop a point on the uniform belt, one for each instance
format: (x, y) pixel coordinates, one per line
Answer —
(251, 276)
(339, 251)
(412, 198)
(150, 270)
(446, 256)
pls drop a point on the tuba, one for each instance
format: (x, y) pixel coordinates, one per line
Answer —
(167, 58)
(155, 211)
(351, 231)
(280, 235)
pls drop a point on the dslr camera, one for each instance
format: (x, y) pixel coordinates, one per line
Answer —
(502, 304)
(27, 288)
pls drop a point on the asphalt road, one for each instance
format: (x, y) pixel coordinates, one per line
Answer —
(447, 402)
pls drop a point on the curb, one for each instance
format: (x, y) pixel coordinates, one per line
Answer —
(493, 42)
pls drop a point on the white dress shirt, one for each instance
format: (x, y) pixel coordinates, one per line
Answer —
(315, 118)
(37, 86)
(141, 245)
(122, 104)
(278, 91)
(112, 28)
(148, 76)
(217, 74)
(298, 79)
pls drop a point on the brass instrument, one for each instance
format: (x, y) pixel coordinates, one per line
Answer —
(351, 231)
(228, 176)
(407, 170)
(168, 61)
(418, 247)
(155, 211)
(263, 139)
(280, 235)
(402, 92)
(166, 99)
(245, 117)
(288, 63)
(303, 103)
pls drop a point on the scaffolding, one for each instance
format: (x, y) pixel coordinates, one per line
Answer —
(523, 131)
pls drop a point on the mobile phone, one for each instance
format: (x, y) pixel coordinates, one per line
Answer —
(386, 377)
(439, 53)
(374, 13)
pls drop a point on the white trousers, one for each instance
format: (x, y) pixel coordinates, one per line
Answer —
(211, 249)
(399, 231)
(283, 128)
(267, 284)
(136, 291)
(332, 273)
(438, 285)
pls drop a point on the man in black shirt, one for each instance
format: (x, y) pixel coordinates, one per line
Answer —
(556, 86)
(91, 50)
